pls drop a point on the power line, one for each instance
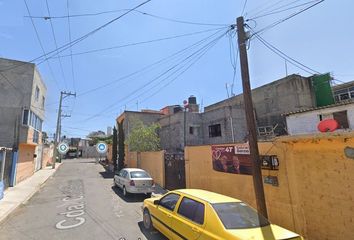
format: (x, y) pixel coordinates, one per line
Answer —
(137, 11)
(71, 51)
(188, 67)
(40, 43)
(70, 44)
(142, 42)
(264, 7)
(283, 10)
(243, 9)
(163, 60)
(150, 66)
(287, 18)
(196, 54)
(286, 57)
(148, 83)
(56, 44)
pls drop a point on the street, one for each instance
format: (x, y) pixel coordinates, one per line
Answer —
(78, 202)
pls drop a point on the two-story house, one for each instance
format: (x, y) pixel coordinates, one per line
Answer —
(22, 100)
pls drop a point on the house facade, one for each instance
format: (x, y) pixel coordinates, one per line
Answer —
(306, 121)
(22, 100)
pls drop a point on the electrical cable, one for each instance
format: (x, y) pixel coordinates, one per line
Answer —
(137, 11)
(133, 92)
(283, 10)
(163, 60)
(287, 18)
(286, 57)
(70, 44)
(56, 45)
(150, 66)
(141, 43)
(189, 66)
(41, 45)
(71, 51)
(265, 7)
(176, 71)
(243, 9)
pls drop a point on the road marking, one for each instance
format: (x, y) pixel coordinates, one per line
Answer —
(75, 206)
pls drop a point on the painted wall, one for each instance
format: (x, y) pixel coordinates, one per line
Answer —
(47, 155)
(152, 162)
(25, 164)
(304, 123)
(315, 193)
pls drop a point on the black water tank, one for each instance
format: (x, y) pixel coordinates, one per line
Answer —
(192, 100)
(177, 109)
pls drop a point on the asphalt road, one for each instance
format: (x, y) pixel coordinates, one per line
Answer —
(78, 202)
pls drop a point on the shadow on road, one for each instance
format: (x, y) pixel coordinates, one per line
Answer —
(151, 235)
(107, 174)
(131, 197)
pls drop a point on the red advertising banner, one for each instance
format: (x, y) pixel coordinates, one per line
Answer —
(232, 159)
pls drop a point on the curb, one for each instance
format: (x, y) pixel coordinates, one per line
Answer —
(37, 188)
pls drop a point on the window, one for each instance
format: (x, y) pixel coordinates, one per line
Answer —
(265, 131)
(25, 117)
(238, 215)
(36, 94)
(342, 119)
(215, 130)
(124, 174)
(169, 201)
(43, 102)
(192, 210)
(344, 94)
(194, 130)
(139, 174)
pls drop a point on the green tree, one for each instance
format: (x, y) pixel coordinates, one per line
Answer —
(143, 138)
(121, 147)
(114, 148)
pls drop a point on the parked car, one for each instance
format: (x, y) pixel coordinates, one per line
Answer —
(134, 180)
(198, 214)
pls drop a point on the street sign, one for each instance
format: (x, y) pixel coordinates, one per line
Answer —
(63, 148)
(101, 148)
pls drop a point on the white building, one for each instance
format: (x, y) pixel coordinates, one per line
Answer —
(306, 121)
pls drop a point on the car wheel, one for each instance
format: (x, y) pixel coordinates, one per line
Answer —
(125, 193)
(147, 220)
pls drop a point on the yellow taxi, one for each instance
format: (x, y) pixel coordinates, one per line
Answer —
(199, 214)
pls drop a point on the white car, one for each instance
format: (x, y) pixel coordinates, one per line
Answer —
(134, 180)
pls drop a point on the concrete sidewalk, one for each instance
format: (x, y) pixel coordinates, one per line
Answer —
(22, 192)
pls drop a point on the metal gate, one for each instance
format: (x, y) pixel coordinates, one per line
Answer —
(5, 167)
(175, 176)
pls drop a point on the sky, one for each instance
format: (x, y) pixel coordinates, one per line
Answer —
(197, 56)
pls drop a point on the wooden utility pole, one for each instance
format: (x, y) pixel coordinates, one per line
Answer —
(251, 123)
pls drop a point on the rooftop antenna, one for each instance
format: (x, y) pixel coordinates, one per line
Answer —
(227, 90)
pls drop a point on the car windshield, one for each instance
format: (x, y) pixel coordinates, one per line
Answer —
(139, 174)
(238, 215)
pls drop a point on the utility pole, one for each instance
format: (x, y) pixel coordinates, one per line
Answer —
(251, 123)
(63, 94)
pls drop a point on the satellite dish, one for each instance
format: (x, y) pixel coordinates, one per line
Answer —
(328, 125)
